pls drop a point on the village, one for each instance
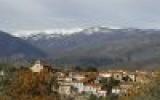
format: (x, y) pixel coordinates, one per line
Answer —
(100, 83)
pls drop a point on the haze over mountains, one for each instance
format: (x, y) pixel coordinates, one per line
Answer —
(100, 46)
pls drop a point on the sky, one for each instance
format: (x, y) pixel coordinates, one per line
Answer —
(18, 15)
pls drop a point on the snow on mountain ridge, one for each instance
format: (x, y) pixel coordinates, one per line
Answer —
(46, 32)
(35, 34)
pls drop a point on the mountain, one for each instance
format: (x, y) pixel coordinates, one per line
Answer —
(101, 46)
(16, 48)
(47, 33)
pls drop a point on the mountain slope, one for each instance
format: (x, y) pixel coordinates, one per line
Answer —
(13, 47)
(101, 46)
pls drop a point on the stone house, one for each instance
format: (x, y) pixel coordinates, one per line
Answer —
(116, 90)
(105, 74)
(65, 89)
(125, 89)
(132, 77)
(102, 93)
(117, 76)
(78, 85)
(39, 66)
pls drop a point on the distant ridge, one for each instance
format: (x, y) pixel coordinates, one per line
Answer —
(102, 46)
(26, 34)
(13, 48)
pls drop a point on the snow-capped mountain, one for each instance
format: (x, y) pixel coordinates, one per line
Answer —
(59, 33)
(55, 33)
(97, 46)
(36, 34)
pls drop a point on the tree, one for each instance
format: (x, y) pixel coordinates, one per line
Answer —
(31, 86)
(92, 97)
(109, 83)
(91, 69)
(149, 91)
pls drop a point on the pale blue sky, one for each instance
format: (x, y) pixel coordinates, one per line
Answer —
(47, 14)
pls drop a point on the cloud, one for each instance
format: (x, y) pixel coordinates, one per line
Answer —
(38, 14)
